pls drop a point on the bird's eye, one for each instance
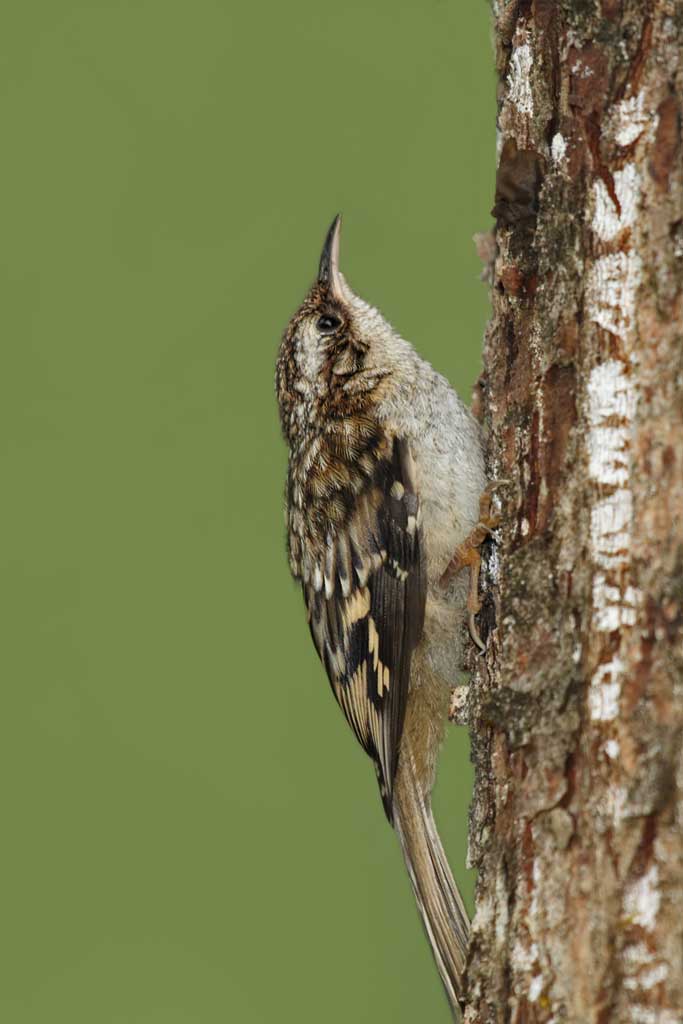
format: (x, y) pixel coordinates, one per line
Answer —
(328, 323)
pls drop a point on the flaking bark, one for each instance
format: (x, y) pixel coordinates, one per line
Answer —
(576, 710)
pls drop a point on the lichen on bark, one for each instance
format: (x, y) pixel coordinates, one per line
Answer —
(576, 710)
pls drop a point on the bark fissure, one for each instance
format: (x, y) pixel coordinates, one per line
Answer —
(576, 710)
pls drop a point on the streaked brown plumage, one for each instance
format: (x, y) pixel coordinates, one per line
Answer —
(385, 472)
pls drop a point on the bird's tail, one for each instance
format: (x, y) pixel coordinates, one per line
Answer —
(440, 904)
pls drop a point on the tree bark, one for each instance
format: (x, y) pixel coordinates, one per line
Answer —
(576, 710)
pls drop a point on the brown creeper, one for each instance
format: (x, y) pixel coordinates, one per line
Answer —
(385, 474)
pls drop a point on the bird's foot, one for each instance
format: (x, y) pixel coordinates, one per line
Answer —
(468, 555)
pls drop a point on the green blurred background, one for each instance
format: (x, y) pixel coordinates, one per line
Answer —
(190, 833)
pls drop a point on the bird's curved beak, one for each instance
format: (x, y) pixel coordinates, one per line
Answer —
(328, 271)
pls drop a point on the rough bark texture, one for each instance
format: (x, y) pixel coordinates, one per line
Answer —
(577, 708)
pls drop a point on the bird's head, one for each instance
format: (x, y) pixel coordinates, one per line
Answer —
(336, 352)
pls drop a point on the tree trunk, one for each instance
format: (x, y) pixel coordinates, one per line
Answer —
(577, 707)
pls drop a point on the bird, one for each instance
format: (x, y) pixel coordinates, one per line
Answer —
(387, 504)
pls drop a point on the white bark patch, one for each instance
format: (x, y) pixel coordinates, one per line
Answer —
(631, 599)
(612, 287)
(611, 408)
(558, 148)
(605, 691)
(648, 978)
(502, 913)
(636, 955)
(519, 79)
(611, 607)
(581, 70)
(615, 800)
(610, 393)
(653, 976)
(535, 988)
(646, 1015)
(494, 566)
(629, 119)
(642, 971)
(524, 960)
(525, 957)
(612, 292)
(610, 397)
(484, 915)
(608, 455)
(641, 904)
(608, 219)
(612, 749)
(611, 529)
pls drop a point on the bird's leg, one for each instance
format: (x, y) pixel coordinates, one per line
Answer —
(468, 555)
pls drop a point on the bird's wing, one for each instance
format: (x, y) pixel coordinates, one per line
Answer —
(366, 610)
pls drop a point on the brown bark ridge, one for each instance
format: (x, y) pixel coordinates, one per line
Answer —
(576, 710)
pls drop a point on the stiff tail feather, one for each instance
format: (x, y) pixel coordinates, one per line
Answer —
(440, 904)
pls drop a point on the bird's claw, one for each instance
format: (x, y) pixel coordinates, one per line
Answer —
(468, 555)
